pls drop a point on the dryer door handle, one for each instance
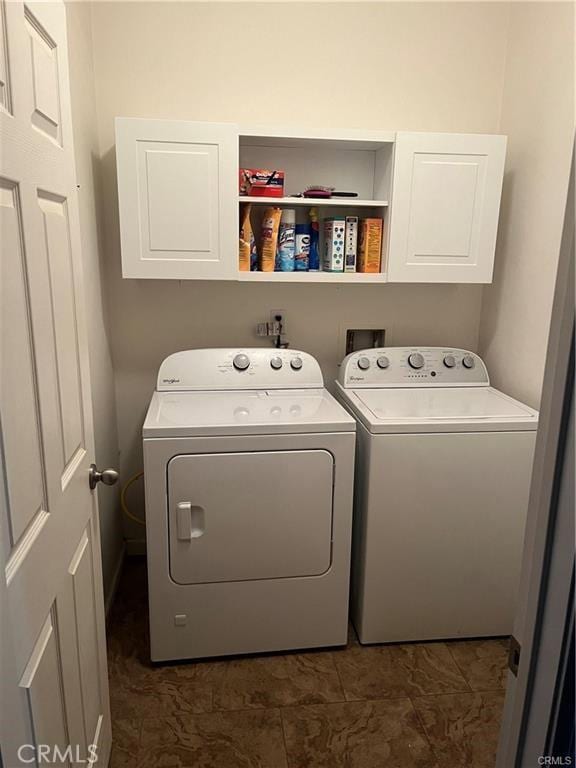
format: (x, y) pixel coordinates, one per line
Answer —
(189, 521)
(184, 520)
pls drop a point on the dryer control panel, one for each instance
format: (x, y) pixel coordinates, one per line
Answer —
(412, 367)
(221, 369)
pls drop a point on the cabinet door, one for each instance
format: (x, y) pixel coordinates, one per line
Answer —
(177, 190)
(445, 205)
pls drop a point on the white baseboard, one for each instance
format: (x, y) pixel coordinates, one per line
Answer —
(110, 597)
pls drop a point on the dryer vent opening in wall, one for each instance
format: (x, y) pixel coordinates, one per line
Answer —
(364, 338)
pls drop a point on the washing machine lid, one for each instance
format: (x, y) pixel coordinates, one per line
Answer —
(245, 412)
(450, 409)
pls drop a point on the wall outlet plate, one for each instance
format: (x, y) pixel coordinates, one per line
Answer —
(279, 316)
(281, 313)
(274, 327)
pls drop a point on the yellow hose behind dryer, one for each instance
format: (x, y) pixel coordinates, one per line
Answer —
(123, 503)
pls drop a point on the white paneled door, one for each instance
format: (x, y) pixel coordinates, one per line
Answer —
(54, 690)
(445, 207)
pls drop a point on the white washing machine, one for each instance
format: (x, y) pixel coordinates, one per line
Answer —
(249, 466)
(443, 469)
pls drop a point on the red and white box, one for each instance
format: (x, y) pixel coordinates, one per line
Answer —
(261, 182)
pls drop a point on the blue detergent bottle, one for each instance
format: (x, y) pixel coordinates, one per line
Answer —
(314, 258)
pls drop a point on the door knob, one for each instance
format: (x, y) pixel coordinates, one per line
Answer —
(107, 476)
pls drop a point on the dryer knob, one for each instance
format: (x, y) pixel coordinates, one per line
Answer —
(363, 363)
(383, 362)
(468, 361)
(241, 362)
(296, 363)
(449, 361)
(416, 360)
(276, 363)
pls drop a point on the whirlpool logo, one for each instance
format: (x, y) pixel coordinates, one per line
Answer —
(170, 381)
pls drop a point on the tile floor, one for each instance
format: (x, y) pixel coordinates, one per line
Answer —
(429, 705)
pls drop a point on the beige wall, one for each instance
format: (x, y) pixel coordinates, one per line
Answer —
(414, 66)
(101, 373)
(538, 116)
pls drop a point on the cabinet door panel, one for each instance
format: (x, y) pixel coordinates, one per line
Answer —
(178, 210)
(177, 187)
(446, 201)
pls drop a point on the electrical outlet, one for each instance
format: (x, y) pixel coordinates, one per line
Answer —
(279, 316)
(279, 313)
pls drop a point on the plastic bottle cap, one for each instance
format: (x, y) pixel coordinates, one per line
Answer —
(288, 216)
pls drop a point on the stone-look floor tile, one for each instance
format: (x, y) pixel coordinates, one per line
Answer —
(165, 706)
(128, 643)
(356, 735)
(127, 619)
(462, 728)
(132, 593)
(129, 660)
(160, 691)
(250, 739)
(273, 681)
(394, 671)
(128, 634)
(125, 743)
(139, 689)
(483, 663)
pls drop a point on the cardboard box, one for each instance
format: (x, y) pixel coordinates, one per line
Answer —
(350, 244)
(370, 249)
(260, 182)
(333, 259)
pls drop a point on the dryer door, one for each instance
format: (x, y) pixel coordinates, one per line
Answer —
(257, 515)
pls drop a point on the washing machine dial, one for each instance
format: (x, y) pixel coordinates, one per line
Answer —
(296, 363)
(468, 361)
(276, 363)
(382, 362)
(416, 360)
(449, 361)
(241, 362)
(363, 363)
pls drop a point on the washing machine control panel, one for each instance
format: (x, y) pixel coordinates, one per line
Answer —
(222, 369)
(412, 367)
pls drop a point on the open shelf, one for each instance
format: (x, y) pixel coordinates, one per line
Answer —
(313, 277)
(359, 163)
(314, 202)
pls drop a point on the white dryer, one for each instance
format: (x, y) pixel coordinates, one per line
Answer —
(249, 466)
(443, 469)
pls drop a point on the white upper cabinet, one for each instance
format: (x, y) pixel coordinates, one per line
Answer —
(445, 204)
(177, 190)
(179, 198)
